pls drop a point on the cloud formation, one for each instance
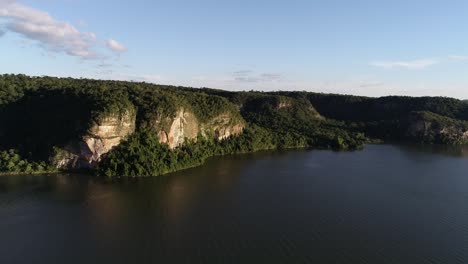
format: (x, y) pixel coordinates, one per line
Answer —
(252, 77)
(458, 58)
(51, 34)
(371, 84)
(409, 65)
(116, 46)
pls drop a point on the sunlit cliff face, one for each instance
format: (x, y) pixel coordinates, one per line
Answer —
(112, 129)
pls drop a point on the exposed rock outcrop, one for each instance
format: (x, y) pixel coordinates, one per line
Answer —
(433, 128)
(184, 125)
(110, 130)
(173, 131)
(222, 127)
(283, 104)
(107, 133)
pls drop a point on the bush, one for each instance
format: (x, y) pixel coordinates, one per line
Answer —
(12, 162)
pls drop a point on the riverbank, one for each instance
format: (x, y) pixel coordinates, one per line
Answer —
(318, 206)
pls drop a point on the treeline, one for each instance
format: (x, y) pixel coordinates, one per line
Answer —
(12, 162)
(38, 114)
(142, 154)
(388, 118)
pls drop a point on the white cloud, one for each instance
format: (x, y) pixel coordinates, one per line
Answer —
(50, 33)
(149, 78)
(458, 58)
(252, 77)
(370, 84)
(367, 86)
(410, 65)
(116, 46)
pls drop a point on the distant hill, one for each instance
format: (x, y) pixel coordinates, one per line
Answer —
(139, 129)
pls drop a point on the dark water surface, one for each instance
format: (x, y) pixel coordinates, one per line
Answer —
(386, 204)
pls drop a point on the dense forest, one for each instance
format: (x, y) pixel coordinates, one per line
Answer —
(42, 116)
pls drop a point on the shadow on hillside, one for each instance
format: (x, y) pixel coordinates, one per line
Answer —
(42, 119)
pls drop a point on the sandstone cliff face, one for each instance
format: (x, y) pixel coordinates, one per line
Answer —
(222, 127)
(282, 105)
(112, 129)
(107, 133)
(184, 125)
(173, 131)
(436, 129)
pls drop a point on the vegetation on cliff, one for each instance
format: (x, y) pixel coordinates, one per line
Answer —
(428, 127)
(143, 155)
(39, 114)
(12, 162)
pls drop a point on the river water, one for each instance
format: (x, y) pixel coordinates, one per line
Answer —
(385, 204)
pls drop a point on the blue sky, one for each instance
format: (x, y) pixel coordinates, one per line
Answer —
(355, 47)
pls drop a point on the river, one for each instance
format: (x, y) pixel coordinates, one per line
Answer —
(384, 204)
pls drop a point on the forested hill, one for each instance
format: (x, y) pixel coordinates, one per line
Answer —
(118, 128)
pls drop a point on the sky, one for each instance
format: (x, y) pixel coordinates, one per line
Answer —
(360, 47)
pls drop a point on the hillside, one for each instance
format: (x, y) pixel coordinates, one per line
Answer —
(120, 128)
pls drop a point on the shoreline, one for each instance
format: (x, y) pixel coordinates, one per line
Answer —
(30, 173)
(92, 172)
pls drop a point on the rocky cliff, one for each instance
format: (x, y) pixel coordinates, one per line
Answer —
(222, 126)
(173, 130)
(109, 131)
(101, 137)
(185, 125)
(430, 127)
